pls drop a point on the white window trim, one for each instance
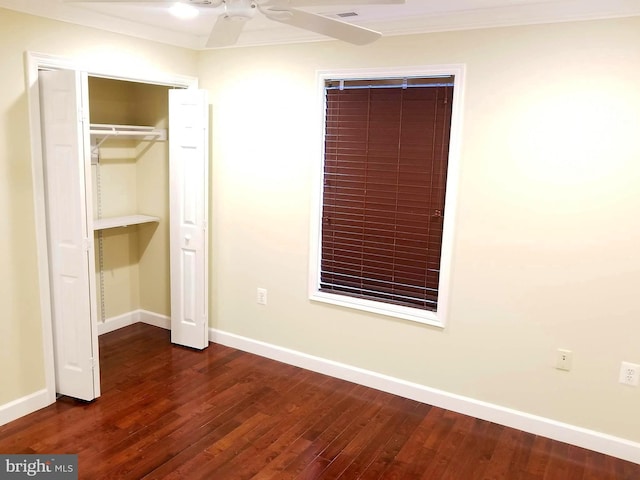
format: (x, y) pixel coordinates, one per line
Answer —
(440, 316)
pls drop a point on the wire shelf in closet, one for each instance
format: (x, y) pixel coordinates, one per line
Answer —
(144, 132)
(124, 221)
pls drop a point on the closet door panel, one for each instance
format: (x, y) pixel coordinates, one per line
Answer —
(189, 176)
(69, 241)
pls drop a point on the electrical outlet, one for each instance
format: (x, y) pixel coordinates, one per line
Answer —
(629, 374)
(262, 296)
(564, 359)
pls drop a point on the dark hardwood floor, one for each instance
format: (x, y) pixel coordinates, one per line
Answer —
(172, 413)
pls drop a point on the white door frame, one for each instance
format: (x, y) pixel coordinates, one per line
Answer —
(34, 62)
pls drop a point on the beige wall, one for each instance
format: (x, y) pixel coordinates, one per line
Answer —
(20, 328)
(546, 229)
(546, 234)
(20, 332)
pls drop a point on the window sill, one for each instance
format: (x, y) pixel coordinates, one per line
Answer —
(396, 311)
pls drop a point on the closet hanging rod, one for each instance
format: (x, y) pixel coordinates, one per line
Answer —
(105, 131)
(98, 129)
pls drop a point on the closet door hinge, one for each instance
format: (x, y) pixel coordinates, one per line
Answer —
(93, 363)
(87, 244)
(84, 117)
(204, 225)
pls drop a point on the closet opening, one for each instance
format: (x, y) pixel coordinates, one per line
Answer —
(130, 199)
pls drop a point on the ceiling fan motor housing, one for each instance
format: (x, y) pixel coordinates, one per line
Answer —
(240, 9)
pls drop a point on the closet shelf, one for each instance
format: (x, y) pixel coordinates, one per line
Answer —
(101, 132)
(125, 221)
(146, 133)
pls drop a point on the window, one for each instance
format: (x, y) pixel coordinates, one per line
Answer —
(382, 204)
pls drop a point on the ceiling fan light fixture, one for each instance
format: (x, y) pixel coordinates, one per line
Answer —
(241, 10)
(183, 11)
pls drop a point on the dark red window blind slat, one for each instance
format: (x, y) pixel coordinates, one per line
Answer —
(385, 167)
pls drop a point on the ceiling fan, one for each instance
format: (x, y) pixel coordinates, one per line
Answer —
(235, 13)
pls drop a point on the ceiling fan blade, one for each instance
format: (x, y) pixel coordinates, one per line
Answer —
(344, 31)
(324, 3)
(225, 31)
(119, 1)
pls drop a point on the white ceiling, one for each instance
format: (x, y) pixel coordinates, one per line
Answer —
(153, 22)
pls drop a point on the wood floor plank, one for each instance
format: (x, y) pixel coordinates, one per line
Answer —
(168, 412)
(501, 459)
(368, 441)
(283, 430)
(477, 447)
(380, 443)
(327, 439)
(304, 434)
(539, 456)
(405, 438)
(334, 444)
(447, 449)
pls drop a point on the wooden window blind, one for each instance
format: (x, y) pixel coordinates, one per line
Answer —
(385, 169)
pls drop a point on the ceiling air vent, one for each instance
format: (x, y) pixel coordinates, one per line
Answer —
(346, 14)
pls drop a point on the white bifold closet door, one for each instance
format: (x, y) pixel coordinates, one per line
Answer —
(189, 179)
(67, 177)
(69, 233)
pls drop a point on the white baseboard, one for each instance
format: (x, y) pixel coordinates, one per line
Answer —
(135, 316)
(154, 319)
(24, 406)
(115, 323)
(563, 432)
